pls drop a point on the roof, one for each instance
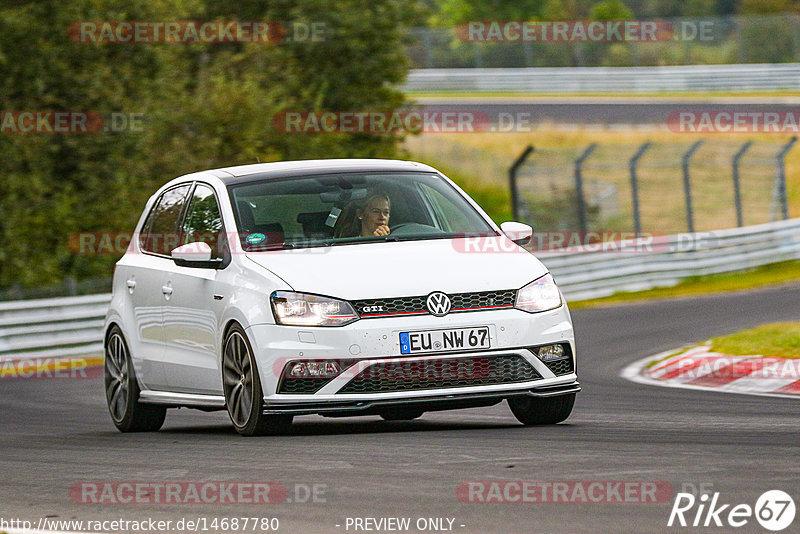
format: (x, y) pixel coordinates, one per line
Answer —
(283, 169)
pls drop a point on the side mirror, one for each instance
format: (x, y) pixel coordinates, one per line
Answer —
(517, 232)
(196, 254)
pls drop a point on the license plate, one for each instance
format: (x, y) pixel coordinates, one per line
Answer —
(440, 340)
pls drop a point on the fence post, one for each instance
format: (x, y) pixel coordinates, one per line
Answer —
(795, 37)
(740, 55)
(428, 45)
(579, 187)
(781, 160)
(737, 191)
(71, 286)
(687, 184)
(512, 181)
(637, 220)
(527, 49)
(478, 55)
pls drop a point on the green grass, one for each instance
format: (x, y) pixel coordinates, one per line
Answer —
(766, 275)
(777, 339)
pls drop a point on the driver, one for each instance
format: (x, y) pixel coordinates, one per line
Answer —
(371, 217)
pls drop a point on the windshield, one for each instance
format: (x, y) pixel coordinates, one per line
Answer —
(334, 209)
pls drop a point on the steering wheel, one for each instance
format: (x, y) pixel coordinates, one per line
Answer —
(413, 228)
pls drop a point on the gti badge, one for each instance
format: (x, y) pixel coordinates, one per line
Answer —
(438, 304)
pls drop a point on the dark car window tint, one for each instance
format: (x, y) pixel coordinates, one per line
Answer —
(203, 221)
(160, 234)
(326, 209)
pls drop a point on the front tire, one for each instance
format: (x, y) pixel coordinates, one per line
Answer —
(242, 388)
(122, 389)
(542, 410)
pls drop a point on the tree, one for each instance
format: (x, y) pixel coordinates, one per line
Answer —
(205, 105)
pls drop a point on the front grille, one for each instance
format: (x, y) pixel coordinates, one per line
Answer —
(560, 367)
(461, 302)
(415, 375)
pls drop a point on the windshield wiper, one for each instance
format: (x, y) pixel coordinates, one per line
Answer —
(362, 239)
(269, 246)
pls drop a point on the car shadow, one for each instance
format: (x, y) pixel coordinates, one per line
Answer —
(323, 427)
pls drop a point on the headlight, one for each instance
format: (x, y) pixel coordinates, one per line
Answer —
(301, 309)
(540, 295)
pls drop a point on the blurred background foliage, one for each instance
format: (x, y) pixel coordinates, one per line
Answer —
(211, 105)
(204, 106)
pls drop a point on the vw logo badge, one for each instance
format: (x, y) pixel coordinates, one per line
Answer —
(438, 304)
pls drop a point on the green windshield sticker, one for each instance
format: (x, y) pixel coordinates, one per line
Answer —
(258, 237)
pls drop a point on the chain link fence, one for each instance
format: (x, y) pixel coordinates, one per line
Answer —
(657, 187)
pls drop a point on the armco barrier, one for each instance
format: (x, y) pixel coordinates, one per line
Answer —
(46, 328)
(73, 325)
(598, 274)
(576, 80)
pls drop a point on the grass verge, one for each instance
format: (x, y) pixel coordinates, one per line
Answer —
(764, 276)
(777, 339)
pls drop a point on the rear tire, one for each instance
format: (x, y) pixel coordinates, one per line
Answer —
(244, 397)
(542, 410)
(401, 414)
(122, 389)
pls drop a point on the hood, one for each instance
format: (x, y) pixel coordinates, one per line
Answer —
(404, 268)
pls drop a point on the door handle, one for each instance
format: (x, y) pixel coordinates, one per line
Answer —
(166, 290)
(131, 284)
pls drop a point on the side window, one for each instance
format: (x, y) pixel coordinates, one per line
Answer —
(203, 221)
(160, 233)
(451, 217)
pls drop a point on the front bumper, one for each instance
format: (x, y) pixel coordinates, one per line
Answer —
(344, 408)
(376, 341)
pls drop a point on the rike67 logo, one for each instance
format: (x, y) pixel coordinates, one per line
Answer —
(774, 510)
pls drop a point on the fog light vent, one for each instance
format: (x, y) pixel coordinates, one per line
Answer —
(323, 369)
(557, 357)
(551, 353)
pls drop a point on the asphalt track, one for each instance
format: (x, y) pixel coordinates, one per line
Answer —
(515, 114)
(54, 433)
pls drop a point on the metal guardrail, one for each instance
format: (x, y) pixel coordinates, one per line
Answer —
(585, 275)
(72, 326)
(48, 328)
(572, 80)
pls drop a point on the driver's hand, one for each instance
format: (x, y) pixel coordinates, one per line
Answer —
(381, 230)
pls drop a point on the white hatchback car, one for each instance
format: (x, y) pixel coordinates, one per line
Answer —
(331, 287)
